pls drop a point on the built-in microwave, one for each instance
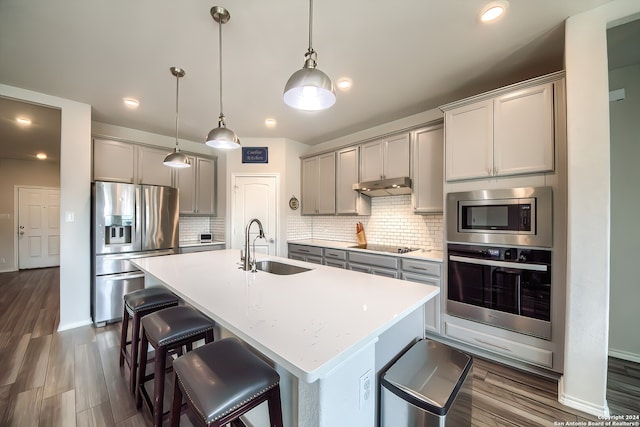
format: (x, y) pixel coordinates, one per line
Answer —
(516, 216)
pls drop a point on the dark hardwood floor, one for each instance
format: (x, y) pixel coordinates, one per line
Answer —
(71, 378)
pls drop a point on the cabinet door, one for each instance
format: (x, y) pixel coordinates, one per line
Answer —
(326, 181)
(151, 169)
(428, 158)
(113, 161)
(371, 161)
(397, 156)
(205, 186)
(349, 201)
(309, 197)
(524, 131)
(186, 183)
(469, 141)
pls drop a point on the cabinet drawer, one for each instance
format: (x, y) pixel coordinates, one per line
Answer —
(307, 250)
(503, 346)
(374, 260)
(335, 263)
(421, 267)
(335, 254)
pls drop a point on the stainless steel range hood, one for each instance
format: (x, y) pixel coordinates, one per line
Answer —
(385, 187)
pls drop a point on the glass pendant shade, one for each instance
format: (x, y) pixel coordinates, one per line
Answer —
(309, 89)
(176, 159)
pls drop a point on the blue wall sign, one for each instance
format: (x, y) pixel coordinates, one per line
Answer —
(255, 154)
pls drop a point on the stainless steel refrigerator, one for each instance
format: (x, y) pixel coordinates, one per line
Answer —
(129, 221)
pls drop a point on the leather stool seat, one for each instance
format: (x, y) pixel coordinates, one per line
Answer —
(155, 298)
(223, 380)
(136, 305)
(166, 330)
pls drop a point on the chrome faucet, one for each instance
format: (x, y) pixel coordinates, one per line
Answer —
(248, 262)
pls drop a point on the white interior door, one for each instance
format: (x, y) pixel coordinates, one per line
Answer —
(38, 227)
(254, 197)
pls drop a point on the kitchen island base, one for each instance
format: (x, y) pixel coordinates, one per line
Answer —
(328, 332)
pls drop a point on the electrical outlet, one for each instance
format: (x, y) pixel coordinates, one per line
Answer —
(2, 260)
(365, 388)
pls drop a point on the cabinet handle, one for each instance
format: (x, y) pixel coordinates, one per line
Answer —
(490, 171)
(418, 268)
(495, 171)
(303, 250)
(333, 255)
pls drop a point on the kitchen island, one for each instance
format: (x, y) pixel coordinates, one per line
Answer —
(328, 332)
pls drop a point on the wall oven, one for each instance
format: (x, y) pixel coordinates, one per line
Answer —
(516, 216)
(507, 287)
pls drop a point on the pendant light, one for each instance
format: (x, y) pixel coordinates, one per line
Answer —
(176, 159)
(221, 137)
(309, 89)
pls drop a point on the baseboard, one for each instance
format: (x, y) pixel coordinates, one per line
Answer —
(74, 325)
(579, 404)
(624, 355)
(8, 270)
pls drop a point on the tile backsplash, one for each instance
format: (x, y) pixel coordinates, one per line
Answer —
(192, 226)
(392, 222)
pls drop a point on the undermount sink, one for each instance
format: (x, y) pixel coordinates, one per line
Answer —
(280, 268)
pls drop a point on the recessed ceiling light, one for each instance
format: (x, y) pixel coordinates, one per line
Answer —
(344, 83)
(23, 121)
(493, 11)
(131, 102)
(41, 156)
(270, 123)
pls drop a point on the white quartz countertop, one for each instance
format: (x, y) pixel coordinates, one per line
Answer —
(422, 254)
(308, 323)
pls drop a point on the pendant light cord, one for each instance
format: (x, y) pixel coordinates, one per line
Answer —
(220, 63)
(310, 25)
(177, 95)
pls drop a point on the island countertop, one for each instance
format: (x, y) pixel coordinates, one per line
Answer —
(308, 323)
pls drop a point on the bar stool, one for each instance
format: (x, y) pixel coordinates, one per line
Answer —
(166, 330)
(136, 305)
(221, 381)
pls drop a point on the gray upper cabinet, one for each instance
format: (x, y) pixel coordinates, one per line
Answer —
(507, 132)
(205, 186)
(197, 186)
(113, 161)
(428, 158)
(151, 169)
(319, 185)
(120, 161)
(385, 158)
(348, 201)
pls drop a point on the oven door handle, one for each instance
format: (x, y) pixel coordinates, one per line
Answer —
(494, 263)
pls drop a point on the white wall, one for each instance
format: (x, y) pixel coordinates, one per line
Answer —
(75, 198)
(624, 341)
(284, 159)
(19, 172)
(583, 385)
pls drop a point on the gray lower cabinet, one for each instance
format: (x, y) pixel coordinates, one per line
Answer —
(335, 258)
(380, 265)
(429, 273)
(305, 253)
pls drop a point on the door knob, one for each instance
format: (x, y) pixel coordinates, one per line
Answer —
(272, 240)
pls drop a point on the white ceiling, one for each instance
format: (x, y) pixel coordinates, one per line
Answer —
(403, 57)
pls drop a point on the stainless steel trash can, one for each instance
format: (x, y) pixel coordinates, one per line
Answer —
(429, 385)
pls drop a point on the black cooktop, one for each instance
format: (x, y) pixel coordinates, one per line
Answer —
(386, 248)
